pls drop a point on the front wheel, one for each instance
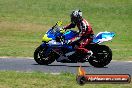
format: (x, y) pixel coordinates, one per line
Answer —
(102, 55)
(41, 58)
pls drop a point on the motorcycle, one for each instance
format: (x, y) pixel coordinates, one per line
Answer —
(55, 46)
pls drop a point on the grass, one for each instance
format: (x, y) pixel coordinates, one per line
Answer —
(22, 23)
(11, 79)
(19, 42)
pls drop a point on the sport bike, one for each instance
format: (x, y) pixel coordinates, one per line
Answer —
(55, 46)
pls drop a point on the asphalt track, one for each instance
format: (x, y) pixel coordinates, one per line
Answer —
(29, 65)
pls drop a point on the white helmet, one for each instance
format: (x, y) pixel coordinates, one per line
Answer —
(76, 16)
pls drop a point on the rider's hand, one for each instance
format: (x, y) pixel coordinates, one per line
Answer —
(62, 30)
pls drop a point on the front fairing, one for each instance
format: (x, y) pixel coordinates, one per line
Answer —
(51, 34)
(48, 36)
(59, 46)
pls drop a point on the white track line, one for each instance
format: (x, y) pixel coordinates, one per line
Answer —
(121, 61)
(4, 57)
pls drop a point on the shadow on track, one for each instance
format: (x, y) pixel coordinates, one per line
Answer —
(60, 65)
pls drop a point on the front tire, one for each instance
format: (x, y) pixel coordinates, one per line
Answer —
(41, 58)
(102, 55)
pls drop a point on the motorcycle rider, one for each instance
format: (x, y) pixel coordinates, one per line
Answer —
(85, 32)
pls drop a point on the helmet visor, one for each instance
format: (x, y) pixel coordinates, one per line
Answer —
(74, 19)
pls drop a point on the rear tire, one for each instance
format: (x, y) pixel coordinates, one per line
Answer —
(41, 58)
(102, 55)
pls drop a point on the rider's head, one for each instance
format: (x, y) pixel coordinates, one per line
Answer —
(76, 16)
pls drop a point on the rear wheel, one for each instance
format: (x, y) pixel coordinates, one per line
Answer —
(41, 58)
(102, 55)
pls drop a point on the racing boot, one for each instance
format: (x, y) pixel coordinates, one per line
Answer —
(89, 54)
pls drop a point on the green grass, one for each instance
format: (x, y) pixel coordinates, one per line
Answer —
(11, 79)
(23, 21)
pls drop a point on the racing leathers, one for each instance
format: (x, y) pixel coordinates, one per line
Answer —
(85, 35)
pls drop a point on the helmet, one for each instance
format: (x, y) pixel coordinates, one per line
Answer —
(76, 16)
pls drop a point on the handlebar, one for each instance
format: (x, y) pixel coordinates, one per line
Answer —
(58, 23)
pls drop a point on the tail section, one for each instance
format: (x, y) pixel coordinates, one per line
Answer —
(103, 36)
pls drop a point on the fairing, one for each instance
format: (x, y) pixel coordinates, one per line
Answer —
(103, 36)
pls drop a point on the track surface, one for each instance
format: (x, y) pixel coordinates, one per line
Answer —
(29, 65)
